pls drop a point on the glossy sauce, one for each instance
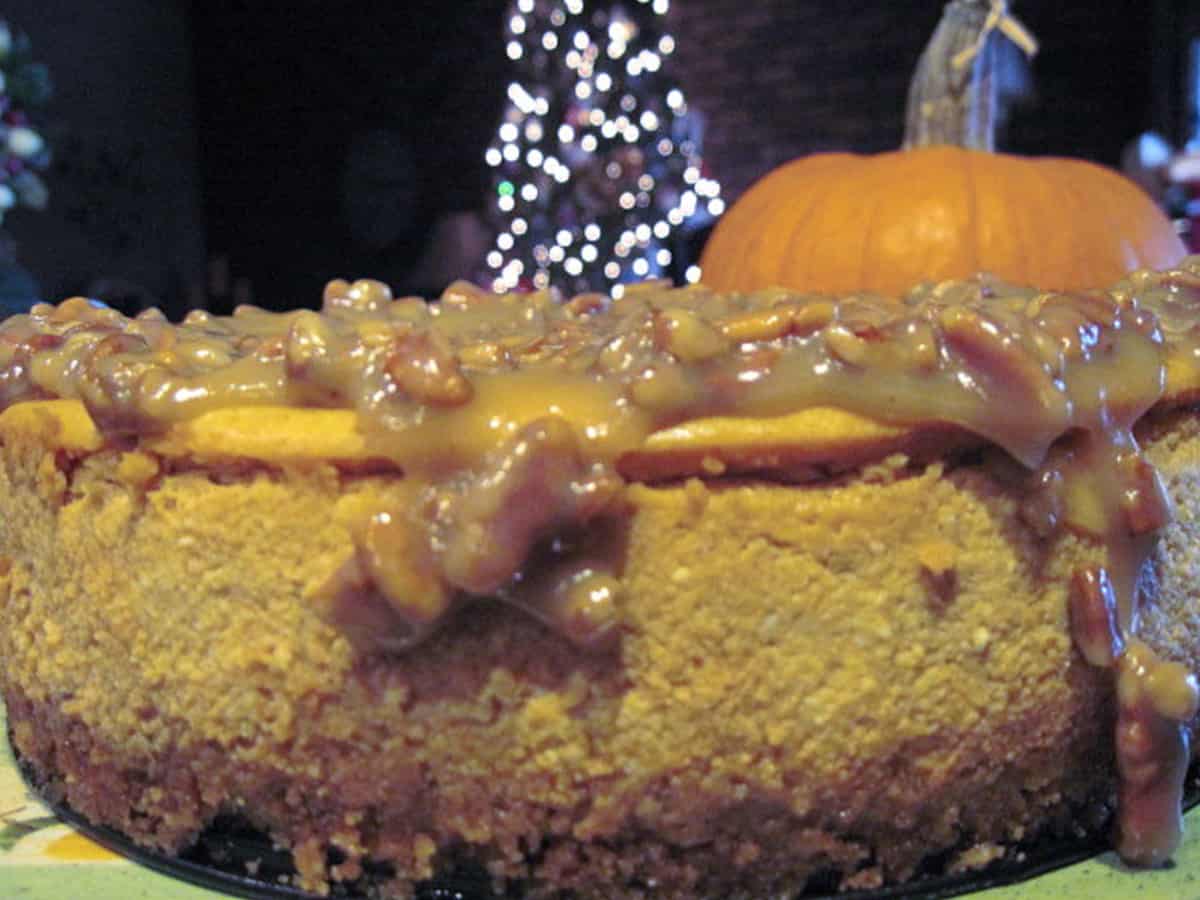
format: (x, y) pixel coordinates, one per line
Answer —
(509, 416)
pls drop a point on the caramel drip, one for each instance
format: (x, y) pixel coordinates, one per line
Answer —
(510, 414)
(1154, 701)
(1106, 489)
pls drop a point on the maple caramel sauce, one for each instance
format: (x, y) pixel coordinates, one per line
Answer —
(509, 415)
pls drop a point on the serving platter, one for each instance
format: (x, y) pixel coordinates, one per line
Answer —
(49, 853)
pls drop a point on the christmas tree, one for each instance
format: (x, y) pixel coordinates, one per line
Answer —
(597, 160)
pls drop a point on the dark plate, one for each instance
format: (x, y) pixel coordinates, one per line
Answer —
(228, 849)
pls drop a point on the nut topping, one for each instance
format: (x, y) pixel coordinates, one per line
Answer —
(507, 415)
(426, 370)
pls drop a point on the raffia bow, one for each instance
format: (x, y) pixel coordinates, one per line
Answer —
(1010, 26)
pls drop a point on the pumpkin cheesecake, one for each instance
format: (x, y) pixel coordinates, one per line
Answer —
(683, 594)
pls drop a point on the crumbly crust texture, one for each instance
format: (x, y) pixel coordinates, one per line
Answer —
(846, 675)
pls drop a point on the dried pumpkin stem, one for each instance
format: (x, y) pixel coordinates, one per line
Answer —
(952, 97)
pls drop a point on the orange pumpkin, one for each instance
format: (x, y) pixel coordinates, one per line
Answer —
(842, 222)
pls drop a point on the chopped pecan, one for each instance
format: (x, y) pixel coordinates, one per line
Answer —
(688, 337)
(758, 324)
(363, 295)
(425, 368)
(536, 483)
(1094, 615)
(1144, 498)
(462, 294)
(990, 350)
(587, 304)
(396, 555)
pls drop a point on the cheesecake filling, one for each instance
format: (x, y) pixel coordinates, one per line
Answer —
(510, 417)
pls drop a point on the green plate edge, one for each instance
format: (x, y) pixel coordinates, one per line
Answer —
(1103, 877)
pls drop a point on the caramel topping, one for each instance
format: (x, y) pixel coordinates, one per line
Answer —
(450, 391)
(510, 416)
(1093, 610)
(1154, 699)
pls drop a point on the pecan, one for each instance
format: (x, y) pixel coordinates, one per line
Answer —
(664, 386)
(199, 317)
(1092, 606)
(159, 334)
(985, 347)
(758, 325)
(334, 294)
(409, 309)
(348, 600)
(80, 309)
(1145, 502)
(851, 346)
(688, 337)
(1071, 327)
(586, 304)
(397, 557)
(535, 484)
(461, 294)
(485, 355)
(918, 345)
(1154, 700)
(115, 343)
(424, 367)
(363, 295)
(308, 340)
(1043, 507)
(809, 318)
(578, 598)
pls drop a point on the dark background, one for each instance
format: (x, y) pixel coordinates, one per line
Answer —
(285, 143)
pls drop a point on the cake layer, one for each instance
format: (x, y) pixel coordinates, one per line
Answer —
(846, 675)
(281, 435)
(683, 594)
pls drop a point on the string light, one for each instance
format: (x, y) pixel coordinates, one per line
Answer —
(595, 164)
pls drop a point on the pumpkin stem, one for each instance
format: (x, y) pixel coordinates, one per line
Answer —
(952, 97)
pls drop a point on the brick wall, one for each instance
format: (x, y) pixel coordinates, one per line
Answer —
(777, 79)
